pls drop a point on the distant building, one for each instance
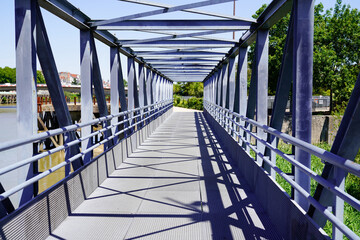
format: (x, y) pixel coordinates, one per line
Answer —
(67, 78)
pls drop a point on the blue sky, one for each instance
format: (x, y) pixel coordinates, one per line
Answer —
(65, 39)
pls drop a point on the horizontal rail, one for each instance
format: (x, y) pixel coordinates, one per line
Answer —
(51, 133)
(225, 117)
(153, 110)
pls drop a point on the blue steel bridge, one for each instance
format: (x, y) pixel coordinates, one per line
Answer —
(165, 173)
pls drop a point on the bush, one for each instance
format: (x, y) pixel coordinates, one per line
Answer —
(193, 103)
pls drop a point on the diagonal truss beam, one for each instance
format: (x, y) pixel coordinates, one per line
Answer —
(173, 35)
(153, 4)
(180, 43)
(160, 11)
(177, 24)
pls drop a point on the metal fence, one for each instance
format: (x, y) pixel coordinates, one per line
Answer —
(240, 126)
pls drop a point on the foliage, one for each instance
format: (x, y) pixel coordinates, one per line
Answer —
(189, 89)
(336, 61)
(40, 77)
(8, 75)
(193, 103)
(352, 185)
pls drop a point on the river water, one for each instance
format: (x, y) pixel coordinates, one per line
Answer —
(8, 132)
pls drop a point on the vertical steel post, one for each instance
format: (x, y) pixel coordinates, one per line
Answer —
(25, 20)
(86, 90)
(142, 89)
(149, 88)
(114, 86)
(302, 87)
(262, 58)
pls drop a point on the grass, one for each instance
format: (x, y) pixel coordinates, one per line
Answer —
(352, 185)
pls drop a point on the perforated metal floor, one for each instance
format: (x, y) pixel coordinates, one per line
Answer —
(177, 185)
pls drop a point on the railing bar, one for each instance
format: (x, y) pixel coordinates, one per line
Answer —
(50, 133)
(17, 188)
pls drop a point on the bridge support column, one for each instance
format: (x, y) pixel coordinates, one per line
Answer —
(86, 90)
(262, 58)
(25, 20)
(115, 82)
(241, 85)
(133, 97)
(302, 88)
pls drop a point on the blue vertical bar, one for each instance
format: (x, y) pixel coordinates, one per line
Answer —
(225, 84)
(86, 90)
(131, 86)
(25, 19)
(114, 86)
(302, 90)
(262, 58)
(48, 65)
(149, 89)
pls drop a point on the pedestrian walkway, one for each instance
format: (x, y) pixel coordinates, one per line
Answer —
(177, 185)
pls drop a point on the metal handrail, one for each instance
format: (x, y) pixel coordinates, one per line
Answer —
(160, 107)
(219, 111)
(54, 132)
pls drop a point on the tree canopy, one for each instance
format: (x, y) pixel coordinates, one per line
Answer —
(189, 89)
(8, 75)
(336, 56)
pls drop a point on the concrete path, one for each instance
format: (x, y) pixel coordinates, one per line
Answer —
(177, 185)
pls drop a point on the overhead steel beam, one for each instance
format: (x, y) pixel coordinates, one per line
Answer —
(174, 35)
(72, 15)
(145, 51)
(180, 53)
(160, 11)
(153, 4)
(177, 24)
(182, 68)
(275, 11)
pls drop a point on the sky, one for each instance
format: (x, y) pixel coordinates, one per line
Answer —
(64, 38)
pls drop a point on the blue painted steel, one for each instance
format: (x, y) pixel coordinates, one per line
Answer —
(177, 36)
(148, 3)
(225, 79)
(114, 83)
(52, 79)
(99, 89)
(25, 20)
(302, 88)
(262, 56)
(86, 90)
(215, 110)
(160, 11)
(282, 91)
(345, 145)
(177, 24)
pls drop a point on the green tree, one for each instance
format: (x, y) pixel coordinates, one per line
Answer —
(40, 77)
(189, 89)
(277, 39)
(7, 75)
(336, 56)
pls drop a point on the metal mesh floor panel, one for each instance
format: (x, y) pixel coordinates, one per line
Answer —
(177, 185)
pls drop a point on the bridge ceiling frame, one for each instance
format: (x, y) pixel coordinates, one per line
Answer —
(195, 56)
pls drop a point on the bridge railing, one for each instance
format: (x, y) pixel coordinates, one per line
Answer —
(132, 120)
(239, 127)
